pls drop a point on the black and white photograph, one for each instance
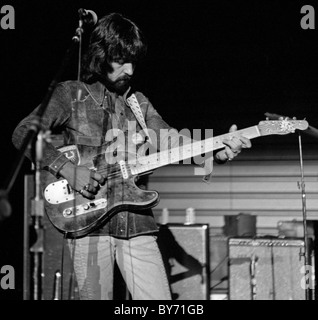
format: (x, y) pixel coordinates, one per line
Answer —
(158, 150)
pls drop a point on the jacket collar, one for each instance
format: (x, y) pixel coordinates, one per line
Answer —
(96, 90)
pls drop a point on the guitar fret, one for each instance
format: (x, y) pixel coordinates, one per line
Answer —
(188, 151)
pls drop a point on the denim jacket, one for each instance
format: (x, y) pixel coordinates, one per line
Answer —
(83, 114)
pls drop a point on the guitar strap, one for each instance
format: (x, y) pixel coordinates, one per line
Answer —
(135, 108)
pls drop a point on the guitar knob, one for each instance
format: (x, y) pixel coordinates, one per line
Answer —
(68, 212)
(86, 206)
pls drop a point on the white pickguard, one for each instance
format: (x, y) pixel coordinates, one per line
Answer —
(58, 192)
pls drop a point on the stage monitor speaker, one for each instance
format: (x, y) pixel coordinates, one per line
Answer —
(185, 252)
(266, 269)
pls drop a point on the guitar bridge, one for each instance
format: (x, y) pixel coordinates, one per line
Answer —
(84, 208)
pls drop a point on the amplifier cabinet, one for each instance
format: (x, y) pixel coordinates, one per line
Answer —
(266, 269)
(185, 252)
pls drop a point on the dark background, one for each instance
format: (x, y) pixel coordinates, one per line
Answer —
(210, 64)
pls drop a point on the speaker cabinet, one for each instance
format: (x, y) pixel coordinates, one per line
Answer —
(185, 252)
(266, 269)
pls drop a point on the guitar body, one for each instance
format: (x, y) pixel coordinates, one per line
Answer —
(76, 216)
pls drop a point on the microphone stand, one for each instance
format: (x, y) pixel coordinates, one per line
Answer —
(301, 185)
(313, 132)
(37, 207)
(35, 132)
(253, 276)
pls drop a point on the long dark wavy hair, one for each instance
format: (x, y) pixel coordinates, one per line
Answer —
(114, 39)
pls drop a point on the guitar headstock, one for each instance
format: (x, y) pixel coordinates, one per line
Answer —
(282, 126)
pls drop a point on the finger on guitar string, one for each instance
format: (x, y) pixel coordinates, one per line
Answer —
(230, 154)
(91, 188)
(97, 178)
(246, 143)
(237, 142)
(96, 185)
(242, 141)
(93, 184)
(87, 194)
(233, 147)
(234, 144)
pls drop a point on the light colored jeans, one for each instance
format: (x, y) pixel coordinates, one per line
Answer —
(138, 259)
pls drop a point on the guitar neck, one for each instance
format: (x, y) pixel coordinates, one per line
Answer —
(188, 151)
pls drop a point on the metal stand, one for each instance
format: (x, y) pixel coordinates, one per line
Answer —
(57, 279)
(301, 185)
(37, 213)
(253, 283)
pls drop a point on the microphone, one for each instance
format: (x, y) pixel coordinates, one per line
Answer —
(88, 17)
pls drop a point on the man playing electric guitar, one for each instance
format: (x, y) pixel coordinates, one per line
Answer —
(80, 185)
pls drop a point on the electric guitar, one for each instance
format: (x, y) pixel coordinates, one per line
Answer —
(76, 216)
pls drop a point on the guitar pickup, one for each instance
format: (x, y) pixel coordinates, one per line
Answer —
(123, 169)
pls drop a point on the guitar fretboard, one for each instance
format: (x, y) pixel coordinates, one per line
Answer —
(188, 151)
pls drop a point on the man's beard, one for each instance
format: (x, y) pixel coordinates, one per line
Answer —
(121, 85)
